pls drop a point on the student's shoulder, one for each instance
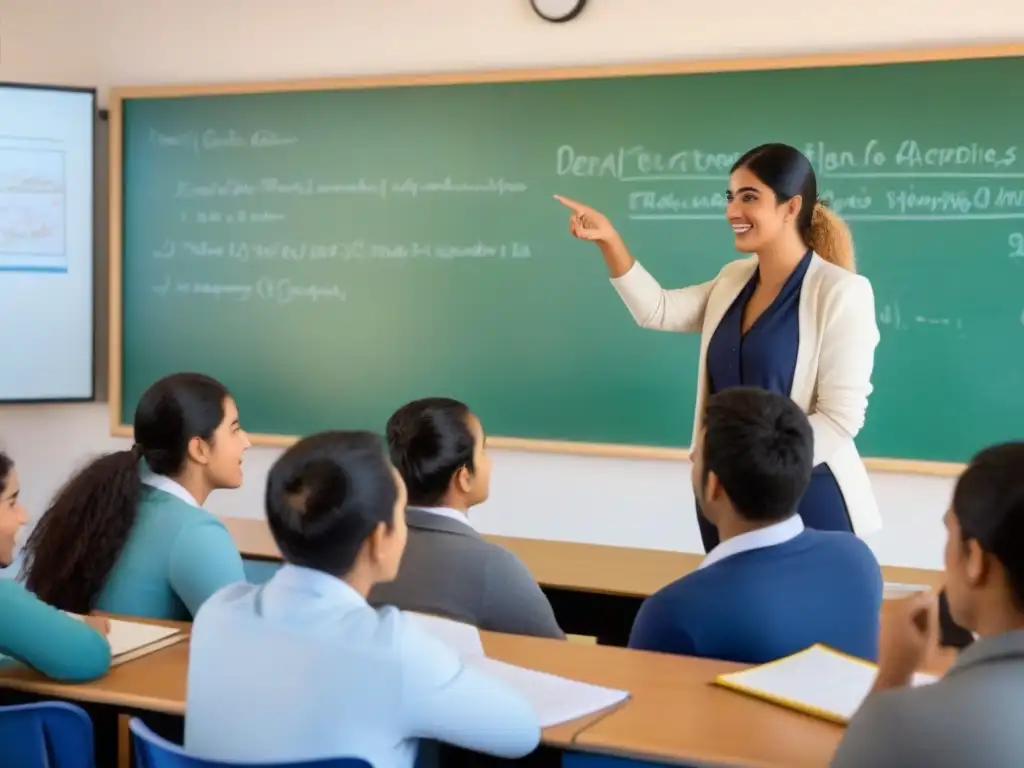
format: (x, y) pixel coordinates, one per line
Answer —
(693, 588)
(13, 592)
(843, 547)
(503, 562)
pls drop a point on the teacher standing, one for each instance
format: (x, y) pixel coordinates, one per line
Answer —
(794, 318)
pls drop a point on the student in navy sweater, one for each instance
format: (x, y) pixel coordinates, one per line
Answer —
(771, 587)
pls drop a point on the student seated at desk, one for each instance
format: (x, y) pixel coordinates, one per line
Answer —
(128, 533)
(32, 632)
(303, 667)
(771, 587)
(449, 569)
(972, 716)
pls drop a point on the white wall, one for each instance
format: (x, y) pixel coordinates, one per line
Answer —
(620, 502)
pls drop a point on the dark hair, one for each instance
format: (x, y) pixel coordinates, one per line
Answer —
(788, 173)
(77, 542)
(430, 440)
(326, 495)
(761, 447)
(6, 465)
(988, 502)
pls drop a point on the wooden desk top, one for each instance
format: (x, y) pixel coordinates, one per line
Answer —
(674, 713)
(154, 682)
(677, 715)
(567, 565)
(157, 682)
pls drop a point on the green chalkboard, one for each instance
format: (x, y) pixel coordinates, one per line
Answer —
(330, 254)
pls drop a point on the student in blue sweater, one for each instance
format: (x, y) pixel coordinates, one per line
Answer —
(128, 533)
(303, 667)
(32, 632)
(771, 587)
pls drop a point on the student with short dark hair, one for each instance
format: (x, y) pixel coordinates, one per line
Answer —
(303, 668)
(32, 632)
(449, 569)
(771, 587)
(128, 534)
(971, 717)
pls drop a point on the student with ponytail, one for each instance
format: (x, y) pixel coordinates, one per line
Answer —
(793, 318)
(128, 533)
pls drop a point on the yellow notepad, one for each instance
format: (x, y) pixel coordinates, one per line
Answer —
(817, 681)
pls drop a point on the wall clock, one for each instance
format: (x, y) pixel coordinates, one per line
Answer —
(558, 11)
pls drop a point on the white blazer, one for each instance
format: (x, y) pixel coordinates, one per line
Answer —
(835, 360)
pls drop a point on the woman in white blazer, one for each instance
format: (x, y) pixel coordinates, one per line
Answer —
(793, 318)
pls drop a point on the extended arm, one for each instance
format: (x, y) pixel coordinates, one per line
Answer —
(651, 305)
(845, 366)
(459, 705)
(48, 640)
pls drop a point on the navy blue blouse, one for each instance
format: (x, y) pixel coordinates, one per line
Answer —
(765, 357)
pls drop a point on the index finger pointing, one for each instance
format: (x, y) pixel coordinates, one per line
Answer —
(577, 207)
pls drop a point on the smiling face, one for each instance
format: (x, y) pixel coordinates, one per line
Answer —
(221, 456)
(756, 216)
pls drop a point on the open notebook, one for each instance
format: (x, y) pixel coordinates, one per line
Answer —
(818, 681)
(130, 639)
(555, 699)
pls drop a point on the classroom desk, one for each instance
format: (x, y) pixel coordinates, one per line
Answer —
(155, 684)
(595, 590)
(673, 714)
(676, 716)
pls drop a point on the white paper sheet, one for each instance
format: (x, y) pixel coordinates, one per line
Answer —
(555, 699)
(130, 638)
(464, 639)
(817, 678)
(894, 589)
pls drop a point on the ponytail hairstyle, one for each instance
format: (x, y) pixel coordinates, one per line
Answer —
(429, 441)
(79, 538)
(788, 173)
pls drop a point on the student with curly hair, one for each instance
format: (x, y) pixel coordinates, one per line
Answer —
(128, 533)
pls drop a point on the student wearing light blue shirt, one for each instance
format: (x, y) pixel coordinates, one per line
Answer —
(302, 667)
(128, 534)
(32, 632)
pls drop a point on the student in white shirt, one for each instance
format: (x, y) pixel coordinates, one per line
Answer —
(303, 667)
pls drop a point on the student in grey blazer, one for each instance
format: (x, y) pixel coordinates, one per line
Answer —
(970, 718)
(449, 569)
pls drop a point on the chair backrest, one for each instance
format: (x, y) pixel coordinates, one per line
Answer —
(49, 734)
(153, 751)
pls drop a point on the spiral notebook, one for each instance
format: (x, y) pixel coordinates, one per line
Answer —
(817, 681)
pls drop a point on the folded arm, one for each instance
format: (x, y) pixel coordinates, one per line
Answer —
(47, 639)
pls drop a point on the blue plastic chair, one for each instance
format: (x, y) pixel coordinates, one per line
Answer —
(49, 734)
(152, 751)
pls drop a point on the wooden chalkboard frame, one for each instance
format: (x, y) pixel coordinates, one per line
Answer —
(119, 95)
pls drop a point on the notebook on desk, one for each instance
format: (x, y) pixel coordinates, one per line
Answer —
(817, 681)
(131, 639)
(555, 699)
